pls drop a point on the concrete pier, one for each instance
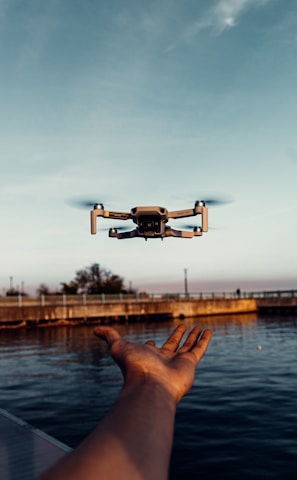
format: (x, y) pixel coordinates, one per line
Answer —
(75, 309)
(27, 315)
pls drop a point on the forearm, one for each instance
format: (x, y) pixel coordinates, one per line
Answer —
(133, 441)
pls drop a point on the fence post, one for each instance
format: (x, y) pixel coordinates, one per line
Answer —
(84, 298)
(102, 298)
(19, 300)
(42, 300)
(64, 300)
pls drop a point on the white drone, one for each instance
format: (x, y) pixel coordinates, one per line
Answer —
(151, 222)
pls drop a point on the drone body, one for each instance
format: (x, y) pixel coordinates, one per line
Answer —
(151, 222)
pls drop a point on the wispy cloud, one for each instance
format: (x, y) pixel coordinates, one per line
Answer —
(223, 15)
(3, 10)
(30, 25)
(38, 27)
(292, 154)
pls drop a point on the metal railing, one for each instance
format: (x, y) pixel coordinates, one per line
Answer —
(84, 299)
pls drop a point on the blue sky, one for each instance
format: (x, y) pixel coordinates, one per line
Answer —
(149, 102)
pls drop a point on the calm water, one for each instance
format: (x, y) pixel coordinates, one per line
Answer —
(239, 420)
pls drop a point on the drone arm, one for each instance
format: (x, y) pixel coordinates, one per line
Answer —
(94, 214)
(172, 232)
(198, 210)
(116, 215)
(204, 219)
(190, 212)
(99, 212)
(122, 235)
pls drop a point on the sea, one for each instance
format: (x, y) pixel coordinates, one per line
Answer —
(239, 421)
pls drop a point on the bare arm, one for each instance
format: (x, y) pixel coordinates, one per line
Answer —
(134, 440)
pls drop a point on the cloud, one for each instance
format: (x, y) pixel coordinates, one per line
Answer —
(4, 4)
(292, 154)
(223, 15)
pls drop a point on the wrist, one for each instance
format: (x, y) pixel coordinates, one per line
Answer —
(150, 386)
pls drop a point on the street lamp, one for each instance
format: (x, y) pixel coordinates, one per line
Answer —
(186, 282)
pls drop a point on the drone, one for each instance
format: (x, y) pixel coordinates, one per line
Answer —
(151, 221)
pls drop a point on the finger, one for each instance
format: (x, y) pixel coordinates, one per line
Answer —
(200, 348)
(150, 342)
(172, 343)
(191, 340)
(108, 334)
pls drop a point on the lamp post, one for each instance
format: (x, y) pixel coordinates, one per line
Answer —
(186, 282)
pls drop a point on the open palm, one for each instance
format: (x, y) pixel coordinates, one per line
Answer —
(172, 366)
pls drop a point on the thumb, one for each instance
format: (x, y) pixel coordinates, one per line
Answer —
(109, 334)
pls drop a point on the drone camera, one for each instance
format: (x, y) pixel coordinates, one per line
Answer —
(149, 225)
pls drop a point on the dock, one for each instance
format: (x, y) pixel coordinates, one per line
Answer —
(25, 451)
(50, 310)
(78, 309)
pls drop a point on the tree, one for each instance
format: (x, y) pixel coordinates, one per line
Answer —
(90, 279)
(43, 289)
(12, 292)
(69, 288)
(112, 283)
(94, 280)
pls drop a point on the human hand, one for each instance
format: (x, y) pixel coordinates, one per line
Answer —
(172, 366)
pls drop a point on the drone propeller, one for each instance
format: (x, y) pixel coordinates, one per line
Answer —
(213, 202)
(82, 203)
(209, 200)
(216, 201)
(192, 227)
(119, 228)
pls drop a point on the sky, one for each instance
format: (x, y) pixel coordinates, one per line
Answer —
(148, 102)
